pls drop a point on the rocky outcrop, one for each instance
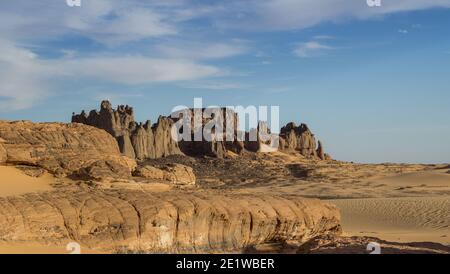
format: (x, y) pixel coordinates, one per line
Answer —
(217, 128)
(320, 151)
(301, 139)
(175, 222)
(135, 140)
(173, 173)
(62, 149)
(261, 139)
(206, 132)
(103, 170)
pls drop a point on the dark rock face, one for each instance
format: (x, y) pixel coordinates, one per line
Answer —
(137, 141)
(211, 125)
(335, 244)
(261, 139)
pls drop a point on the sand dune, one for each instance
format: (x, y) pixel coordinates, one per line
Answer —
(398, 219)
(435, 178)
(15, 182)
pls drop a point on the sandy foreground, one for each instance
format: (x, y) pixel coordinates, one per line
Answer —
(15, 182)
(409, 207)
(402, 219)
(417, 219)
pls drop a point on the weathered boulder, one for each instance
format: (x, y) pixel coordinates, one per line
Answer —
(103, 170)
(180, 174)
(173, 173)
(150, 172)
(136, 221)
(61, 149)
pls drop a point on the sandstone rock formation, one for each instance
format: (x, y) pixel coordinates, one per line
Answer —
(217, 128)
(176, 222)
(103, 170)
(261, 139)
(172, 173)
(137, 141)
(302, 140)
(147, 141)
(62, 149)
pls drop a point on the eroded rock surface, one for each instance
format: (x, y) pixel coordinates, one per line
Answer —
(62, 149)
(172, 173)
(209, 132)
(135, 140)
(301, 139)
(136, 221)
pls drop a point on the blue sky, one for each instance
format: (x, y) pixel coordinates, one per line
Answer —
(372, 83)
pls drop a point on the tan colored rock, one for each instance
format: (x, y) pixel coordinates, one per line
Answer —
(164, 144)
(135, 140)
(150, 172)
(62, 149)
(179, 174)
(175, 222)
(103, 170)
(174, 173)
(3, 154)
(302, 140)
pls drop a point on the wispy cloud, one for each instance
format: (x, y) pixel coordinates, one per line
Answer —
(403, 31)
(24, 76)
(311, 49)
(291, 14)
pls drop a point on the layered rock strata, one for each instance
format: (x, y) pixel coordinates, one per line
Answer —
(62, 149)
(175, 222)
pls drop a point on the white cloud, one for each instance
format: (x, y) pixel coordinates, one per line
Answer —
(24, 77)
(133, 70)
(296, 14)
(21, 77)
(111, 22)
(311, 49)
(403, 31)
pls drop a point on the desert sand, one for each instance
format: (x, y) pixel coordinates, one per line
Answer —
(15, 182)
(415, 219)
